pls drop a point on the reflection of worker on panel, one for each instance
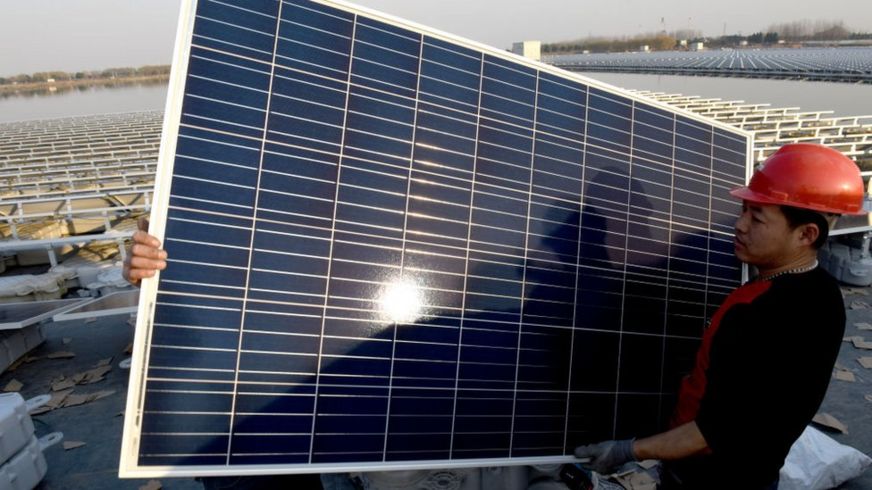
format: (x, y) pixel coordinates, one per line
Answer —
(733, 428)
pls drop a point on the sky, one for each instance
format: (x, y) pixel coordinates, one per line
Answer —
(72, 35)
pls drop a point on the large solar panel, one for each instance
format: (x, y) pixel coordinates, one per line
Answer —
(391, 248)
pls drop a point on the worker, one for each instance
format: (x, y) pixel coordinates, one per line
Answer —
(766, 358)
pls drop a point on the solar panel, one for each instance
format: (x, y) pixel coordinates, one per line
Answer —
(117, 303)
(20, 315)
(391, 248)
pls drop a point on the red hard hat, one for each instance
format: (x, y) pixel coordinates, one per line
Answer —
(809, 176)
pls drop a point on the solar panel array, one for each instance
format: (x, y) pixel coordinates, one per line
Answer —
(85, 170)
(852, 65)
(391, 247)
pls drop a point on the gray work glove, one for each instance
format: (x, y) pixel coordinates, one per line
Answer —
(607, 456)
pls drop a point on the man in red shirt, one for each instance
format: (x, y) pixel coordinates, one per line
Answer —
(766, 359)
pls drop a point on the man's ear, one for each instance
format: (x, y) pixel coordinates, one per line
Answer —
(808, 233)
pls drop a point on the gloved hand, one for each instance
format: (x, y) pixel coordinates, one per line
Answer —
(607, 456)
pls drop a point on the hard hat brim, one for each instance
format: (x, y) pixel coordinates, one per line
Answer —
(746, 194)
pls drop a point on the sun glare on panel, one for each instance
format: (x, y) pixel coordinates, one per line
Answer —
(401, 301)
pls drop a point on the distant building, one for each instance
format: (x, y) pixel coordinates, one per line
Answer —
(697, 46)
(683, 43)
(645, 48)
(528, 49)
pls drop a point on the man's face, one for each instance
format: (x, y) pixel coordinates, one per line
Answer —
(764, 237)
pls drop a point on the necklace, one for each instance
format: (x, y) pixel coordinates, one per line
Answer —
(798, 270)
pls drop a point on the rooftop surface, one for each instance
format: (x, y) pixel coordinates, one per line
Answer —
(98, 424)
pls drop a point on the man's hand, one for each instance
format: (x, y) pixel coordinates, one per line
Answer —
(145, 257)
(607, 456)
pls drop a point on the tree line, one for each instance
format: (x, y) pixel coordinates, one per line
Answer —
(815, 30)
(656, 42)
(147, 71)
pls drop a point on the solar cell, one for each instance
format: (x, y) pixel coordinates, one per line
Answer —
(390, 248)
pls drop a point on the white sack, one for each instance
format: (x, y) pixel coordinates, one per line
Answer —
(817, 462)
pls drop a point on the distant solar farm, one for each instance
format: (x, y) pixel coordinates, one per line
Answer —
(852, 65)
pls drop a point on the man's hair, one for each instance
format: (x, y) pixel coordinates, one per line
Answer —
(798, 217)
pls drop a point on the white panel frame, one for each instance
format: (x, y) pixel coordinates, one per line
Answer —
(128, 466)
